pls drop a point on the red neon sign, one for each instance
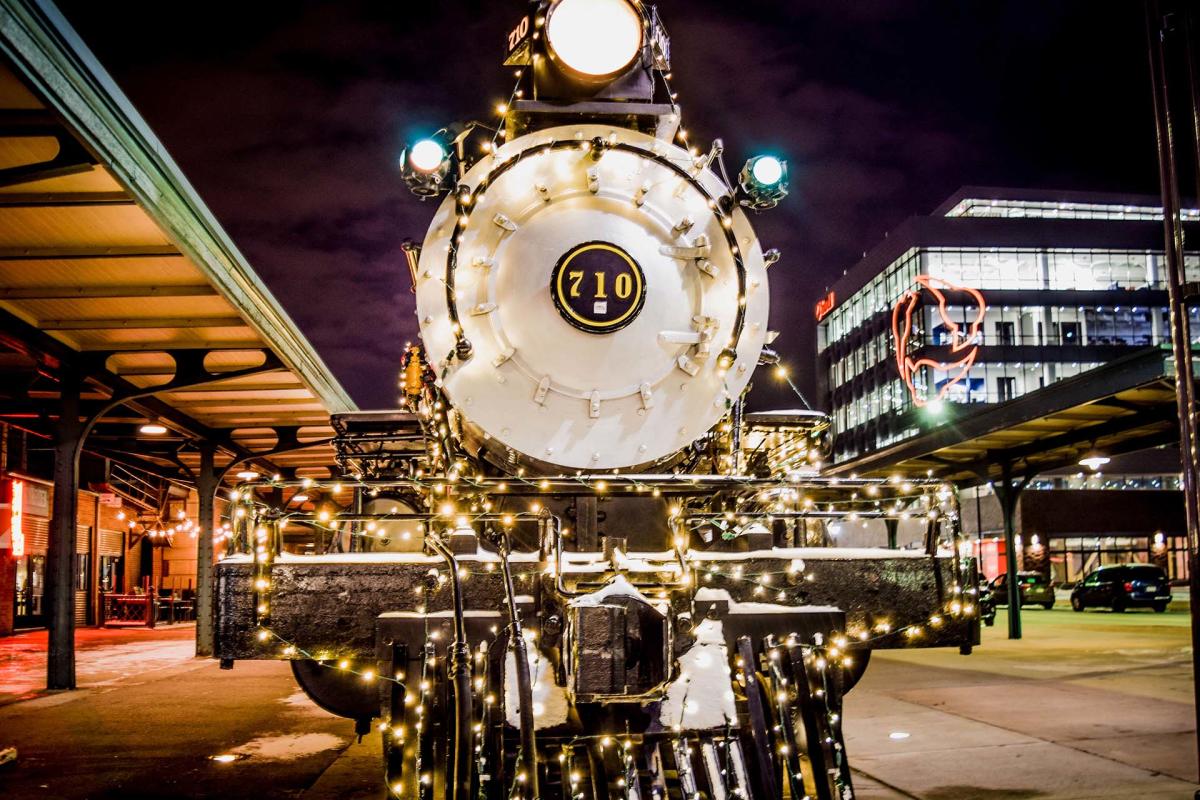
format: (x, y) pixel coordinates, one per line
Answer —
(825, 305)
(16, 512)
(960, 342)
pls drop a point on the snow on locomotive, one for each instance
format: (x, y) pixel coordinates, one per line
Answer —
(572, 565)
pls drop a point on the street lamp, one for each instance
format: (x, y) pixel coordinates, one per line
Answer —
(1094, 460)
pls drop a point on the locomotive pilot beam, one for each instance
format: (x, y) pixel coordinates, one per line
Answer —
(572, 566)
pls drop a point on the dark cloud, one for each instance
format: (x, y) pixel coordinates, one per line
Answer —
(288, 117)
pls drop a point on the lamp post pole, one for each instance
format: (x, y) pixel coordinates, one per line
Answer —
(1164, 30)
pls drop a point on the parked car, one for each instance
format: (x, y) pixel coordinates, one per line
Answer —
(1122, 586)
(1035, 589)
(987, 603)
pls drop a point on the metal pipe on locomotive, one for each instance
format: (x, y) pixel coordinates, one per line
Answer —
(572, 566)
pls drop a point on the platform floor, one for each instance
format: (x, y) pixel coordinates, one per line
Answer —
(1090, 705)
(1095, 705)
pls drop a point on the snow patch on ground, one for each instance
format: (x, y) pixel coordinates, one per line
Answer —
(702, 696)
(138, 657)
(299, 699)
(289, 748)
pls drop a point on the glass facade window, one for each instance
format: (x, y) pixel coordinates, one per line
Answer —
(1073, 557)
(1098, 480)
(1084, 270)
(1025, 347)
(1029, 209)
(875, 298)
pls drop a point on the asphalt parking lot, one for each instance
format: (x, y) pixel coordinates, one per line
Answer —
(1091, 705)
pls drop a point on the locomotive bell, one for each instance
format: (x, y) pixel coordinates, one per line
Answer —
(610, 306)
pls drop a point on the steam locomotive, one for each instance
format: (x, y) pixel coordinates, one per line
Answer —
(572, 565)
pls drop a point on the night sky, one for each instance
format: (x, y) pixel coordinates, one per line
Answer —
(288, 117)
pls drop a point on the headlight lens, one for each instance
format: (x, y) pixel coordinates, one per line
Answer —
(767, 170)
(595, 38)
(426, 155)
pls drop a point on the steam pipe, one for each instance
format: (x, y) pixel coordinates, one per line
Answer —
(528, 755)
(460, 675)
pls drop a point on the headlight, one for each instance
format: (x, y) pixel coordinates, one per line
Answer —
(594, 38)
(763, 182)
(425, 167)
(767, 170)
(426, 155)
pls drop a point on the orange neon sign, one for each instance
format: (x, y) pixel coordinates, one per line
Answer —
(962, 345)
(825, 305)
(16, 514)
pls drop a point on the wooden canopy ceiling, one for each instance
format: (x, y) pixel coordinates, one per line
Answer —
(113, 268)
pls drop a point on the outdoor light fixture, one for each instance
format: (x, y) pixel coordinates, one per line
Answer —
(594, 39)
(935, 406)
(424, 166)
(247, 475)
(1094, 460)
(426, 155)
(763, 182)
(153, 428)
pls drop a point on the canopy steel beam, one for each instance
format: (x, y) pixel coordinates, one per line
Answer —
(208, 404)
(1087, 433)
(71, 159)
(155, 347)
(91, 292)
(87, 253)
(139, 323)
(130, 459)
(190, 371)
(63, 199)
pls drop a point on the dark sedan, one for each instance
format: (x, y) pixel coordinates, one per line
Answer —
(1035, 589)
(1122, 586)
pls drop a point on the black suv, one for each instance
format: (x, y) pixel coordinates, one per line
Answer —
(1123, 586)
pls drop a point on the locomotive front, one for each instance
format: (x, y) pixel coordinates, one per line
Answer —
(572, 565)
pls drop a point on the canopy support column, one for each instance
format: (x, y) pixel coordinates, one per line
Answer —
(208, 480)
(60, 559)
(1008, 491)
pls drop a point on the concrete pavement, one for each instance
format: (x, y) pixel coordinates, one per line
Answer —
(151, 731)
(1092, 705)
(102, 656)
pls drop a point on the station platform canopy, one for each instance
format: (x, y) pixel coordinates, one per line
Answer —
(115, 274)
(1124, 406)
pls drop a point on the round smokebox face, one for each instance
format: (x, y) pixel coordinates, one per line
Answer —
(598, 287)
